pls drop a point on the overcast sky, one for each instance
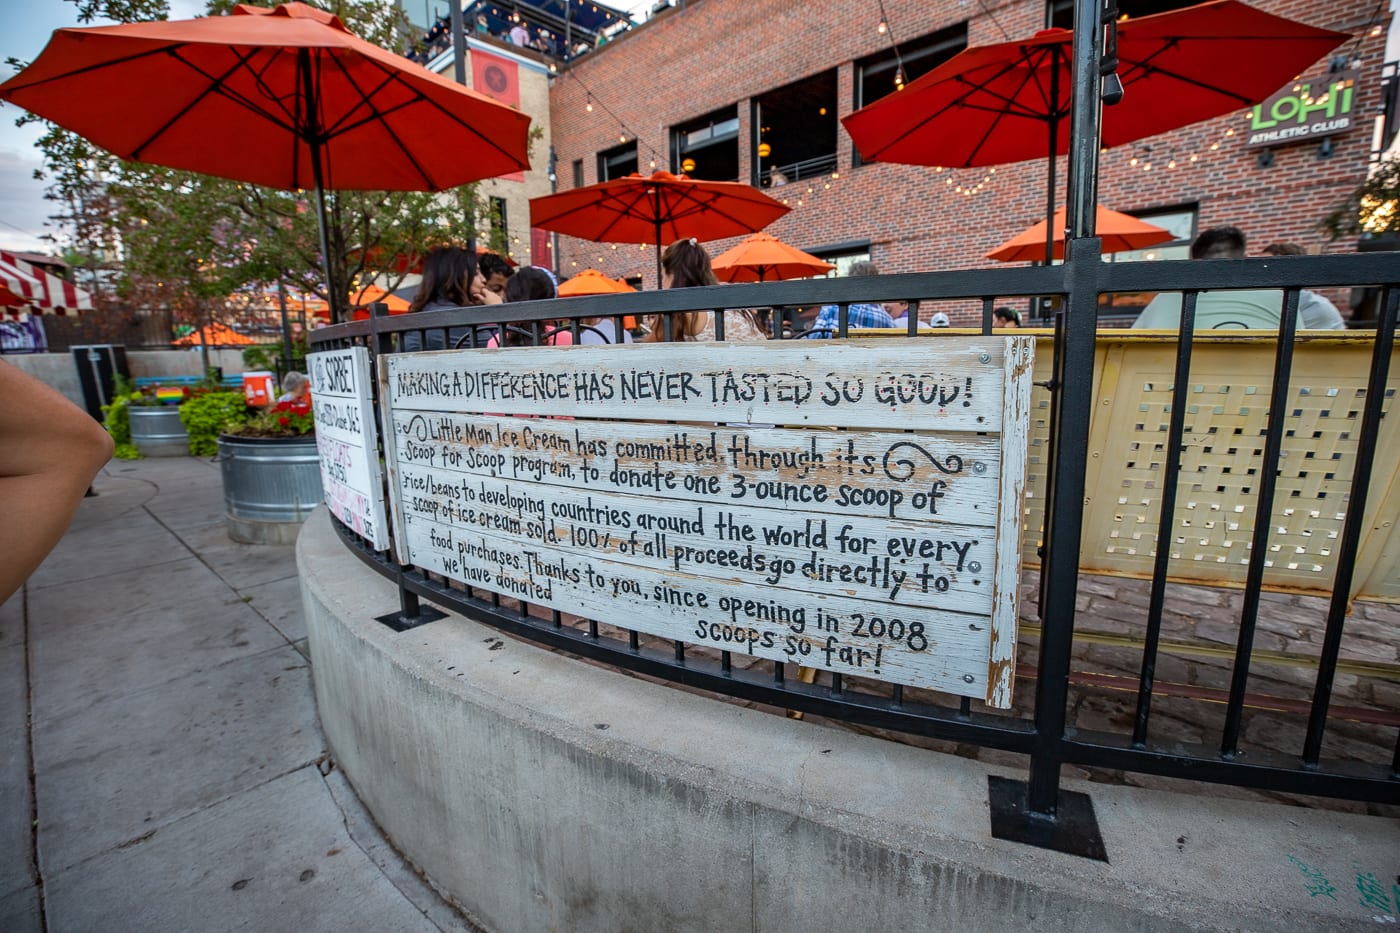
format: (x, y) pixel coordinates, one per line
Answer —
(27, 25)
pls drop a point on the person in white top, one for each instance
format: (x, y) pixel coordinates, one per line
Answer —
(519, 35)
(1314, 311)
(1247, 309)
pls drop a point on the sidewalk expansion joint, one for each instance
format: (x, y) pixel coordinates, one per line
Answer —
(29, 759)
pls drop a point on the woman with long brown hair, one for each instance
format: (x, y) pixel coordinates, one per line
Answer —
(685, 264)
(450, 280)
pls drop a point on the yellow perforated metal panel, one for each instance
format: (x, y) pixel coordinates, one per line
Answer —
(1226, 417)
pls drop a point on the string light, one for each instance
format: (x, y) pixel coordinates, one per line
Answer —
(589, 106)
(884, 26)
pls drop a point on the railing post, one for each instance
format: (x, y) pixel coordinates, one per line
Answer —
(410, 614)
(1039, 813)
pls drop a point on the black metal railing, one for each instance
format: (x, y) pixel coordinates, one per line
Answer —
(1041, 732)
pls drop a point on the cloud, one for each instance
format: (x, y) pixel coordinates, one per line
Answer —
(23, 209)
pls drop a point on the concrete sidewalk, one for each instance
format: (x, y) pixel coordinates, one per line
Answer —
(161, 764)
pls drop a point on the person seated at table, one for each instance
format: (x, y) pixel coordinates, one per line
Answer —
(295, 386)
(685, 264)
(495, 272)
(861, 314)
(531, 283)
(450, 280)
(601, 331)
(1245, 309)
(1004, 317)
(1314, 311)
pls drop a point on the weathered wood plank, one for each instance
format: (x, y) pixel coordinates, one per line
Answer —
(884, 474)
(944, 384)
(903, 563)
(347, 442)
(940, 650)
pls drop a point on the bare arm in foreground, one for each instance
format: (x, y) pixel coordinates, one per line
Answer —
(49, 452)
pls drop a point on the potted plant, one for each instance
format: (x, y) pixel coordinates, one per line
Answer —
(145, 422)
(271, 470)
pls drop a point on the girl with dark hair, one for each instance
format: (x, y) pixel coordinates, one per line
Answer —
(450, 280)
(531, 283)
(685, 264)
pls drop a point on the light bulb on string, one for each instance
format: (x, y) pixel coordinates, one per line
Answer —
(589, 106)
(884, 26)
(899, 79)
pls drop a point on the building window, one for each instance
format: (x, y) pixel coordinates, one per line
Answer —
(578, 173)
(1060, 13)
(1181, 221)
(875, 74)
(707, 147)
(795, 131)
(617, 162)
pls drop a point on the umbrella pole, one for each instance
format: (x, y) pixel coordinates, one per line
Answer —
(325, 245)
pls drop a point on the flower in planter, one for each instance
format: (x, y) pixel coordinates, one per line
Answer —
(285, 419)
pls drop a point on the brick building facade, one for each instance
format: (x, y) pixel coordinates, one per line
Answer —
(714, 59)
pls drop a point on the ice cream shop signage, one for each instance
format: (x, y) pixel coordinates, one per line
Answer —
(1306, 110)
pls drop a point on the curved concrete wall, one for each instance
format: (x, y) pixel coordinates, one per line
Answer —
(545, 793)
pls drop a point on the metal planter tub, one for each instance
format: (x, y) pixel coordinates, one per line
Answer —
(158, 432)
(271, 485)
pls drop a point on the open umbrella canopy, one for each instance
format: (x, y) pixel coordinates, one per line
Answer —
(1119, 232)
(765, 258)
(657, 208)
(284, 97)
(592, 282)
(1002, 103)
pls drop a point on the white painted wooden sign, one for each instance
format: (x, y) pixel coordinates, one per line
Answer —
(347, 441)
(853, 508)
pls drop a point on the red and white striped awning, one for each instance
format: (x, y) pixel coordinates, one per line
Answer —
(42, 289)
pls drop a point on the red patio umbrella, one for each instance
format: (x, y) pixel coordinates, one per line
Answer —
(763, 257)
(657, 208)
(1119, 232)
(284, 97)
(1005, 102)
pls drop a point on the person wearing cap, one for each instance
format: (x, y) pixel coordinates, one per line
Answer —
(939, 319)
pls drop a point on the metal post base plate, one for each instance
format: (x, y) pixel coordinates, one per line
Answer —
(1074, 831)
(402, 623)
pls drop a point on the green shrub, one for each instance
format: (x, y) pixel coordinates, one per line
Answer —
(210, 414)
(116, 418)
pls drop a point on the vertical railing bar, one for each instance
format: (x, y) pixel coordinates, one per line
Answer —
(680, 650)
(898, 697)
(1352, 526)
(836, 684)
(719, 324)
(1263, 523)
(777, 672)
(592, 628)
(557, 618)
(1166, 516)
(988, 306)
(843, 319)
(634, 643)
(1051, 458)
(726, 662)
(1075, 335)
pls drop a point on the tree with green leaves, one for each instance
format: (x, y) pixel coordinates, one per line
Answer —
(1373, 208)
